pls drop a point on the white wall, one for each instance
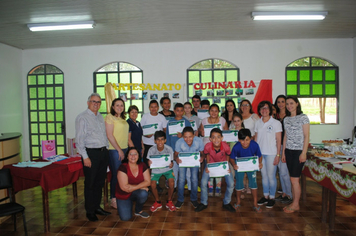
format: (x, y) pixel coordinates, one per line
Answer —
(168, 62)
(11, 96)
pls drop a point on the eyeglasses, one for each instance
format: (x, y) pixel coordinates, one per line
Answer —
(264, 108)
(97, 102)
(133, 154)
(245, 105)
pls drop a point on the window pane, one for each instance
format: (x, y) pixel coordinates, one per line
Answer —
(311, 107)
(127, 67)
(207, 64)
(59, 79)
(51, 128)
(222, 64)
(136, 77)
(60, 150)
(34, 128)
(317, 89)
(43, 128)
(124, 78)
(100, 79)
(49, 79)
(60, 140)
(50, 116)
(330, 75)
(231, 75)
(103, 106)
(41, 104)
(52, 69)
(49, 92)
(193, 76)
(51, 137)
(50, 104)
(33, 116)
(109, 67)
(113, 78)
(33, 93)
(304, 75)
(206, 76)
(303, 62)
(101, 92)
(59, 104)
(34, 139)
(41, 92)
(42, 116)
(320, 62)
(33, 105)
(292, 89)
(59, 92)
(304, 89)
(37, 70)
(59, 128)
(291, 75)
(31, 80)
(59, 116)
(330, 89)
(35, 152)
(41, 79)
(219, 76)
(317, 75)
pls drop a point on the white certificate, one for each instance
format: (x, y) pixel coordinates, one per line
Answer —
(189, 159)
(160, 161)
(149, 129)
(247, 164)
(194, 125)
(202, 113)
(168, 118)
(230, 136)
(218, 169)
(176, 126)
(208, 128)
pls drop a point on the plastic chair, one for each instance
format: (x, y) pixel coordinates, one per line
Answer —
(11, 208)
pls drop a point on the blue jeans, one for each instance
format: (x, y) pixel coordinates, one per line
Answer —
(114, 164)
(175, 172)
(124, 207)
(268, 172)
(194, 181)
(284, 178)
(204, 188)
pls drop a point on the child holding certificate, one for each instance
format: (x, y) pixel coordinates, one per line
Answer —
(218, 152)
(151, 122)
(246, 147)
(160, 156)
(188, 154)
(174, 132)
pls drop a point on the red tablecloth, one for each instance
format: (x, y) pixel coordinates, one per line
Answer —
(50, 177)
(337, 180)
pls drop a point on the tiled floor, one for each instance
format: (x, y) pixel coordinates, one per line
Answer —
(68, 218)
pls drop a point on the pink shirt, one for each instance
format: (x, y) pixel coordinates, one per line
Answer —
(217, 156)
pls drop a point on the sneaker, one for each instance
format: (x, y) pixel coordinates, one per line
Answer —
(279, 198)
(195, 203)
(171, 206)
(200, 207)
(211, 192)
(156, 206)
(142, 214)
(199, 189)
(270, 203)
(178, 204)
(262, 201)
(218, 192)
(229, 207)
(279, 190)
(286, 200)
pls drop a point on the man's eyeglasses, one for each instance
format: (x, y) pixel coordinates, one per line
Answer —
(97, 102)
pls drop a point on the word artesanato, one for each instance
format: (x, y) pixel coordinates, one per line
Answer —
(134, 86)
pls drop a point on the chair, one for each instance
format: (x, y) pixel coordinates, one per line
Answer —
(11, 208)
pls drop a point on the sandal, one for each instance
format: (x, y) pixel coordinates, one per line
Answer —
(257, 209)
(237, 206)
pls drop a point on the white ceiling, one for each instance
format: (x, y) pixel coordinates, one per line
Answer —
(152, 21)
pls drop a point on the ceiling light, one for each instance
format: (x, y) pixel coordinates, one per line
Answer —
(289, 15)
(62, 26)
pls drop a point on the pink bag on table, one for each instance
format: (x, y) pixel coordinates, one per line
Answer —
(48, 148)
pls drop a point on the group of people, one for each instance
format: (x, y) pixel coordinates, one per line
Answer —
(278, 136)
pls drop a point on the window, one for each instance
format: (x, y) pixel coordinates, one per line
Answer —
(46, 113)
(119, 72)
(211, 74)
(316, 83)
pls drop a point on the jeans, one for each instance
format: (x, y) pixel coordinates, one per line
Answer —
(175, 172)
(268, 172)
(284, 178)
(194, 181)
(124, 207)
(114, 164)
(204, 188)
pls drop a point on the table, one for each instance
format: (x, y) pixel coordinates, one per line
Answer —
(333, 181)
(50, 177)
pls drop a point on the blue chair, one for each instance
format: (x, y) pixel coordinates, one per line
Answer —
(10, 208)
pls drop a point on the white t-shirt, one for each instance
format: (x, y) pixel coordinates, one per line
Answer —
(266, 135)
(148, 119)
(250, 124)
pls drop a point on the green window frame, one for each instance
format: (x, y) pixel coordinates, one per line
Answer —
(119, 72)
(313, 77)
(210, 71)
